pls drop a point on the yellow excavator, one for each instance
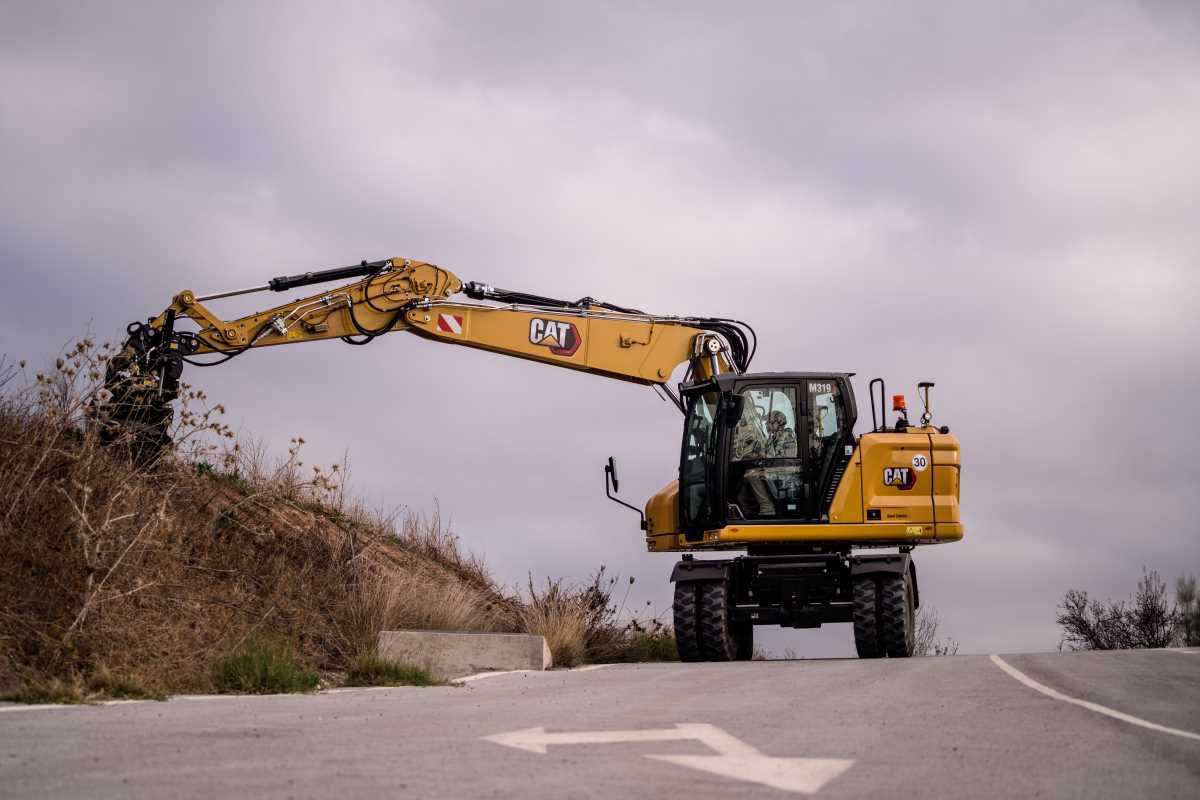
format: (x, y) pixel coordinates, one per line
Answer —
(769, 463)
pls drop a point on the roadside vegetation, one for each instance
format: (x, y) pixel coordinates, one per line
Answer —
(370, 669)
(927, 642)
(1148, 619)
(219, 569)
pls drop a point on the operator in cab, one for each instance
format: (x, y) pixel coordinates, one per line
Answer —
(779, 442)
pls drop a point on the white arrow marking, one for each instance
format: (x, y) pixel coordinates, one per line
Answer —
(737, 759)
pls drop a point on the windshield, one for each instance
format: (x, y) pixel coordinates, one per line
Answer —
(699, 454)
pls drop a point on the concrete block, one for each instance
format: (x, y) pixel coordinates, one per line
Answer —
(456, 654)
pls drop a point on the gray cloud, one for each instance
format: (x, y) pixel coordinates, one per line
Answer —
(999, 199)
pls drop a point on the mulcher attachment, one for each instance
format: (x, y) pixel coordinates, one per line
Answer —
(142, 381)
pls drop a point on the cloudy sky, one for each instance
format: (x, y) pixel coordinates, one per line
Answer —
(1002, 198)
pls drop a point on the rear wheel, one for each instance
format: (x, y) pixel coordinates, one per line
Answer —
(897, 628)
(687, 634)
(718, 640)
(865, 615)
(745, 641)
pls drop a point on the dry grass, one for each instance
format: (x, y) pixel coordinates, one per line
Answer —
(582, 624)
(157, 574)
(557, 613)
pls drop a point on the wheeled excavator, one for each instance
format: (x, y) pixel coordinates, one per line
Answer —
(769, 463)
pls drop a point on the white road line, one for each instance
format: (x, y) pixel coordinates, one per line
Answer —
(481, 675)
(41, 706)
(38, 707)
(1099, 709)
(1183, 652)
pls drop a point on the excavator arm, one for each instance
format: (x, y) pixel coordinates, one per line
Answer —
(421, 298)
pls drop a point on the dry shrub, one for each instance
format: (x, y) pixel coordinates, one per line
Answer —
(583, 624)
(1148, 620)
(156, 573)
(926, 641)
(559, 614)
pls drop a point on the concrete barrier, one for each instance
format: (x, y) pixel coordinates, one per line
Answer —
(454, 654)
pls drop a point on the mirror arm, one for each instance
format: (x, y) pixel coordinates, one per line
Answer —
(610, 486)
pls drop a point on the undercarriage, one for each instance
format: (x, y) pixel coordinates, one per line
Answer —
(718, 602)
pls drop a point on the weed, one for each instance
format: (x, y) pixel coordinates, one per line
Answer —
(370, 669)
(558, 613)
(39, 690)
(261, 665)
(642, 642)
(121, 687)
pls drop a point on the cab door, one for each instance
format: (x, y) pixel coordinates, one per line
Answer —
(829, 441)
(765, 479)
(699, 490)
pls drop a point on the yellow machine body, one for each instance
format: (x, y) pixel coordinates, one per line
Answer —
(925, 513)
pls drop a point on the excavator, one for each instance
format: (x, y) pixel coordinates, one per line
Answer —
(769, 463)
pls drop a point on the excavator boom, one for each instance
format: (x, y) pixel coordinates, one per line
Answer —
(403, 295)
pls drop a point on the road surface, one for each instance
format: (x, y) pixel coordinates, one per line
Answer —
(1087, 725)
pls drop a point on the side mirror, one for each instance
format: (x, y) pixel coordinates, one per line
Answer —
(610, 486)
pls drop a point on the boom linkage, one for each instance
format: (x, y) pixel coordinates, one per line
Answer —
(403, 295)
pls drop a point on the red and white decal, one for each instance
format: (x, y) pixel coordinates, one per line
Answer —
(450, 323)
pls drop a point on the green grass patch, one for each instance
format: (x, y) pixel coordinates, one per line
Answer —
(646, 646)
(321, 510)
(370, 669)
(263, 666)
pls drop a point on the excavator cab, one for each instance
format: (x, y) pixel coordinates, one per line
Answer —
(766, 448)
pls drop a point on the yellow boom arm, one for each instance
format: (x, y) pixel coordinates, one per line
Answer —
(400, 295)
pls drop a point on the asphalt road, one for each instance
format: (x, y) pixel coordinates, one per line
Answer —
(1088, 725)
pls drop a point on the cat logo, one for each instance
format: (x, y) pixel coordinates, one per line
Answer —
(562, 338)
(899, 477)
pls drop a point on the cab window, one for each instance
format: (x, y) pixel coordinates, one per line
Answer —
(765, 479)
(826, 405)
(699, 448)
(767, 427)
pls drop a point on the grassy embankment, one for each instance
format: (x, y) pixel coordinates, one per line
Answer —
(213, 571)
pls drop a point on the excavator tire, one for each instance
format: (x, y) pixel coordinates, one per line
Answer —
(718, 641)
(745, 642)
(687, 633)
(897, 627)
(865, 616)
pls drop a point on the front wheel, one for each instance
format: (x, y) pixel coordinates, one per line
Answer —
(866, 617)
(718, 636)
(897, 616)
(687, 633)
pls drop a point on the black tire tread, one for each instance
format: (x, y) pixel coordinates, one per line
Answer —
(895, 616)
(745, 642)
(687, 641)
(717, 639)
(865, 617)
